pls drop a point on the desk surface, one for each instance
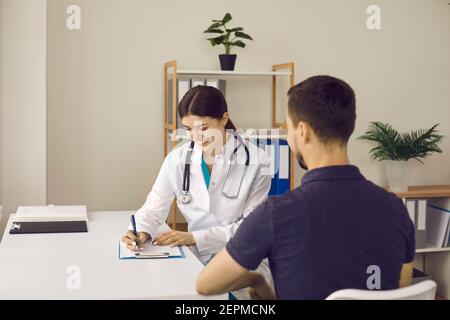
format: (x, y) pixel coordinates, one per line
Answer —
(45, 266)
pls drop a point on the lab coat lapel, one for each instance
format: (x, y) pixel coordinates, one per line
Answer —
(198, 188)
(220, 170)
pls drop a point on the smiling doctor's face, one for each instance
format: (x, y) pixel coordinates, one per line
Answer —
(208, 133)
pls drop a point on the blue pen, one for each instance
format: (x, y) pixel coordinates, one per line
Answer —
(133, 223)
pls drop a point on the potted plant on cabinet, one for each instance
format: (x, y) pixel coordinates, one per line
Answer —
(395, 149)
(229, 38)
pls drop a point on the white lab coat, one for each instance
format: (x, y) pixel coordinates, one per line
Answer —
(212, 218)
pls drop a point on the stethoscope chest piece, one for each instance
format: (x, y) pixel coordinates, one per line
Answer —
(185, 197)
(230, 188)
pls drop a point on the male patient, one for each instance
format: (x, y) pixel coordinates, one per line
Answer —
(336, 231)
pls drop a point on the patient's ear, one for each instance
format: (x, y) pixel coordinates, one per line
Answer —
(306, 132)
(303, 132)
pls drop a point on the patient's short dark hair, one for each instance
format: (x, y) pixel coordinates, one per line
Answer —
(327, 104)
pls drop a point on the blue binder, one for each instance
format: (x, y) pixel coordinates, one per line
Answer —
(265, 144)
(278, 151)
(283, 165)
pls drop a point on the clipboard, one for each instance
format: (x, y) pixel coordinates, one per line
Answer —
(151, 252)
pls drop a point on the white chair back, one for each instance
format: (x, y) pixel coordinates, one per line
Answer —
(425, 290)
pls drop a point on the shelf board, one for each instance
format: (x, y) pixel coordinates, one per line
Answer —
(432, 249)
(230, 73)
(437, 191)
(282, 136)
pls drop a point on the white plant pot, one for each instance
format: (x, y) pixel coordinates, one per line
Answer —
(398, 175)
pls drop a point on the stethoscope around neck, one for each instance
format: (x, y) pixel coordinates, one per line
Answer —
(231, 192)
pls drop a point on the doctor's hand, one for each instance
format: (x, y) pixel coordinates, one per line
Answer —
(141, 238)
(175, 238)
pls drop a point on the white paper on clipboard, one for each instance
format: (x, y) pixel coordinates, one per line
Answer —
(149, 251)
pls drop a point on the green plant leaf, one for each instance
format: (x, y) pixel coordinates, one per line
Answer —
(235, 29)
(213, 31)
(243, 35)
(238, 43)
(217, 40)
(392, 145)
(214, 25)
(226, 18)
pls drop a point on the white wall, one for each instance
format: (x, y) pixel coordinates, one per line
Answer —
(22, 103)
(105, 81)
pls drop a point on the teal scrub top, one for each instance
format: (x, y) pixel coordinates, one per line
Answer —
(206, 173)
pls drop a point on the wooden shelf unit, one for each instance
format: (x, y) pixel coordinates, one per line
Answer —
(435, 261)
(433, 249)
(230, 73)
(172, 72)
(437, 191)
(421, 192)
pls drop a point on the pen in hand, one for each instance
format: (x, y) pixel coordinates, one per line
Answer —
(133, 223)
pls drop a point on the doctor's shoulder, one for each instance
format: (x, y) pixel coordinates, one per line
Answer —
(258, 155)
(177, 155)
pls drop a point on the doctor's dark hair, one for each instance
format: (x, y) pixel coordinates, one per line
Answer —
(204, 101)
(327, 104)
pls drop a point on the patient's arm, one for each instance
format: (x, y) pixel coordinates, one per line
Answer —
(223, 274)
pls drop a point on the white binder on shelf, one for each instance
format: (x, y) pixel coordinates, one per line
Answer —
(197, 82)
(411, 207)
(183, 87)
(421, 214)
(417, 210)
(217, 83)
(421, 227)
(438, 222)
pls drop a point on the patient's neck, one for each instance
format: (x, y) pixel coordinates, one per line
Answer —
(325, 156)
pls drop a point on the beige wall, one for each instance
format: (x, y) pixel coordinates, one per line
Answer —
(22, 103)
(105, 81)
(1, 88)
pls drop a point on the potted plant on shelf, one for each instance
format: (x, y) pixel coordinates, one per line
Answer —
(395, 149)
(229, 38)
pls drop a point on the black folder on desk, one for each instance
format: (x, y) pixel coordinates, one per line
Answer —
(48, 227)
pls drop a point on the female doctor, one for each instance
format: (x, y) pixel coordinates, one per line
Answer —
(216, 179)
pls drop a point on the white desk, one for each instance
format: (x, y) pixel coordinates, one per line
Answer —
(34, 266)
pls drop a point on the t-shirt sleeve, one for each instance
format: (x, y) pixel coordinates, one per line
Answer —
(253, 240)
